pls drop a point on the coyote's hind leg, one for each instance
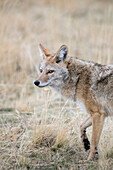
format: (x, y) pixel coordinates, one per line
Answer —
(83, 127)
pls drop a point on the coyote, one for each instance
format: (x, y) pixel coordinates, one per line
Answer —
(87, 82)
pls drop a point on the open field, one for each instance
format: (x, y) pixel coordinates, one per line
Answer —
(39, 129)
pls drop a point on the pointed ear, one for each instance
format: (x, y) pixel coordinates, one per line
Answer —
(43, 52)
(61, 54)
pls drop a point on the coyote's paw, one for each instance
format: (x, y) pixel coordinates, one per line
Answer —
(93, 156)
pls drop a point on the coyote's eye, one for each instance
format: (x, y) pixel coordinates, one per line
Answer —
(50, 71)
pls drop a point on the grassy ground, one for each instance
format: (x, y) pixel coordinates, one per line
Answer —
(39, 129)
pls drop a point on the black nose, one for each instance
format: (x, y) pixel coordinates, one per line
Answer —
(36, 83)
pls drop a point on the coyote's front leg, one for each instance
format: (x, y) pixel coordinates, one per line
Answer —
(83, 127)
(97, 123)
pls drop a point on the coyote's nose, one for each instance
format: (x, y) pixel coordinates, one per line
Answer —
(36, 83)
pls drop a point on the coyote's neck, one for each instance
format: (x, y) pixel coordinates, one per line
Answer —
(79, 77)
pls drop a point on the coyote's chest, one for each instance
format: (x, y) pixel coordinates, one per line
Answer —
(81, 105)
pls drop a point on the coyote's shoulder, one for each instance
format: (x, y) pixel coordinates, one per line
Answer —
(78, 80)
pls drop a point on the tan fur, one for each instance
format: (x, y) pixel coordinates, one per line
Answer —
(47, 53)
(86, 82)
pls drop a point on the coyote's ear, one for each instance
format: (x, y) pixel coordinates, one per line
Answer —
(43, 52)
(61, 54)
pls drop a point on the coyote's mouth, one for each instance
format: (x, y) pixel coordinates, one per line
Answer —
(43, 84)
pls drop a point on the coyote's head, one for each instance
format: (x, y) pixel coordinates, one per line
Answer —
(53, 68)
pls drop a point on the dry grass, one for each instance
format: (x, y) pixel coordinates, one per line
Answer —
(39, 129)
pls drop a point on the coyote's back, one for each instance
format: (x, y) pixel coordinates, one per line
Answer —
(87, 82)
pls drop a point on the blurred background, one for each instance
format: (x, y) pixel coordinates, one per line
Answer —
(85, 26)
